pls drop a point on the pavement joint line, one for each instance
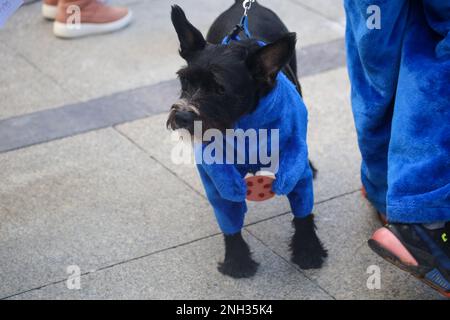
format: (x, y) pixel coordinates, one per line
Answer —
(160, 163)
(296, 268)
(268, 219)
(290, 212)
(337, 197)
(116, 264)
(52, 140)
(180, 246)
(80, 117)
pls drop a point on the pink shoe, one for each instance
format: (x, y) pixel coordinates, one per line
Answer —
(49, 9)
(95, 17)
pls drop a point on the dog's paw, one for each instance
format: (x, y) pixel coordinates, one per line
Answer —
(238, 268)
(308, 251)
(238, 262)
(308, 258)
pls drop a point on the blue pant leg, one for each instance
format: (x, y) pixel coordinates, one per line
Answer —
(419, 154)
(373, 57)
(301, 198)
(437, 13)
(230, 215)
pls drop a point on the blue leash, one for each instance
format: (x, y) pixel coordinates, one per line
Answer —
(241, 27)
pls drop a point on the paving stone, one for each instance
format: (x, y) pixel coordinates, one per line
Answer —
(188, 272)
(92, 200)
(143, 54)
(332, 136)
(47, 125)
(344, 225)
(331, 9)
(311, 28)
(24, 88)
(55, 123)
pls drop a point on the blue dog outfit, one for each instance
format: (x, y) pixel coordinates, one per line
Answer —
(400, 75)
(281, 109)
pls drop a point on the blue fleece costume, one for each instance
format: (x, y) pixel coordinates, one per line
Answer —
(281, 109)
(400, 77)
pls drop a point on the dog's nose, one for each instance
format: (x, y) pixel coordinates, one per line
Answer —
(184, 119)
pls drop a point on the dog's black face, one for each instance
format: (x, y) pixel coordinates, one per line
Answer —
(222, 83)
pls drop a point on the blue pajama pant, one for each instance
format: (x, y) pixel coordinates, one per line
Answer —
(400, 76)
(231, 215)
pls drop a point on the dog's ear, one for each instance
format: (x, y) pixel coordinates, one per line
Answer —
(267, 61)
(191, 39)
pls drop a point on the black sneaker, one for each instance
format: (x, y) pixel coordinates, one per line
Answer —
(422, 252)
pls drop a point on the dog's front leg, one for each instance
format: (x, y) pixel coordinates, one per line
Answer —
(307, 249)
(238, 262)
(230, 216)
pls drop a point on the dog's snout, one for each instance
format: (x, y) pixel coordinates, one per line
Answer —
(177, 106)
(184, 119)
(182, 115)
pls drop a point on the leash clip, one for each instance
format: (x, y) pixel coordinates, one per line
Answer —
(242, 26)
(247, 4)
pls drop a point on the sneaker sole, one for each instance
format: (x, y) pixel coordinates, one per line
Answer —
(419, 273)
(69, 31)
(49, 12)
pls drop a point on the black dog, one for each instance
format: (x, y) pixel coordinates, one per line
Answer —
(220, 95)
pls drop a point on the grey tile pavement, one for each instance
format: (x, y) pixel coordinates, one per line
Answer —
(329, 9)
(344, 225)
(189, 272)
(77, 182)
(311, 28)
(91, 200)
(331, 133)
(67, 120)
(24, 88)
(143, 54)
